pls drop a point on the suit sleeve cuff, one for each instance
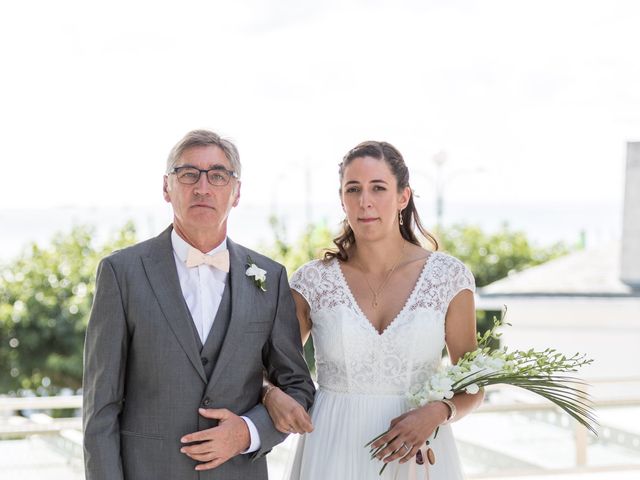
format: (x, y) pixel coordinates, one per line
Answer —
(255, 436)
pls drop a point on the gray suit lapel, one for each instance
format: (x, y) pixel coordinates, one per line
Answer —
(161, 271)
(243, 300)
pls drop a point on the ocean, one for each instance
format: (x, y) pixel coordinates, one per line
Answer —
(595, 224)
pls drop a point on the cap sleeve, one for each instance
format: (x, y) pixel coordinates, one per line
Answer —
(461, 279)
(303, 281)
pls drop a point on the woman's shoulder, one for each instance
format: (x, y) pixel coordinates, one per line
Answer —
(317, 265)
(452, 269)
(447, 259)
(311, 279)
(312, 271)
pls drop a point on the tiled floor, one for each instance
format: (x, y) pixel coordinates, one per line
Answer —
(34, 458)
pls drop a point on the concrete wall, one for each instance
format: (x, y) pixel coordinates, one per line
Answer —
(607, 330)
(630, 258)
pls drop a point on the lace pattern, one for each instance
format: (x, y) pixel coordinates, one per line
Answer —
(351, 356)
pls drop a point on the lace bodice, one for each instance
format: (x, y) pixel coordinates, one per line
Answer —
(351, 356)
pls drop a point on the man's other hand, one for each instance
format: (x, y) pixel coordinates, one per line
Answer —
(218, 444)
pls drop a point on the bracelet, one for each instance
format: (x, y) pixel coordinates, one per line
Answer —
(452, 408)
(267, 391)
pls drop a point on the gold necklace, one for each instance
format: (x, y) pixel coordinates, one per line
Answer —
(375, 293)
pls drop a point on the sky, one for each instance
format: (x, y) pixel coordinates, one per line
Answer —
(530, 102)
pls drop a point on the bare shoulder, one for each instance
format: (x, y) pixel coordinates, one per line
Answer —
(415, 253)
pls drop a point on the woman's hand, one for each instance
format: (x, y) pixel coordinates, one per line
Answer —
(288, 415)
(408, 432)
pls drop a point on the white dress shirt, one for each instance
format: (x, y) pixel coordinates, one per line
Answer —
(202, 288)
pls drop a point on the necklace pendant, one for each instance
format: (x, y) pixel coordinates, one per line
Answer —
(375, 301)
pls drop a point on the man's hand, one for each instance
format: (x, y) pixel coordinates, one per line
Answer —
(218, 444)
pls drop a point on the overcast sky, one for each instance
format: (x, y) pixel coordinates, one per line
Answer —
(542, 95)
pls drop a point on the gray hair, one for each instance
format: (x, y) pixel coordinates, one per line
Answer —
(204, 138)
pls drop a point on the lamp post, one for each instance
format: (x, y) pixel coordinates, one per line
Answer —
(439, 159)
(441, 180)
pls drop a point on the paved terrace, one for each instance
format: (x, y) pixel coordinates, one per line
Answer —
(510, 437)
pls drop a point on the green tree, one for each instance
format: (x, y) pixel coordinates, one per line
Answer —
(309, 245)
(492, 256)
(45, 299)
(489, 255)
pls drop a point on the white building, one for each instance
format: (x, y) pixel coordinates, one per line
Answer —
(588, 301)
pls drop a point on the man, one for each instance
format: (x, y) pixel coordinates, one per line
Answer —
(176, 346)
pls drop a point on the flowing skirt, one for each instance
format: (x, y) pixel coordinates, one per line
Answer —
(344, 423)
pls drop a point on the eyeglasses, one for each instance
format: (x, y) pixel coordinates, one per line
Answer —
(216, 176)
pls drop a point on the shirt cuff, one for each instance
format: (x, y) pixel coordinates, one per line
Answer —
(255, 436)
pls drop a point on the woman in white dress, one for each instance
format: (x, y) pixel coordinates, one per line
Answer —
(381, 309)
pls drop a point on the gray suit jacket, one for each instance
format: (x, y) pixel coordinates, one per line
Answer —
(143, 376)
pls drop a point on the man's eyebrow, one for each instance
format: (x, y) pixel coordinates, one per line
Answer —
(217, 166)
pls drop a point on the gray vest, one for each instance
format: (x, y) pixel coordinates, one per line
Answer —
(211, 349)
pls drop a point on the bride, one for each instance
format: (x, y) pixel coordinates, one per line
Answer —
(380, 309)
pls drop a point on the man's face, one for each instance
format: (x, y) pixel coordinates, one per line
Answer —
(201, 206)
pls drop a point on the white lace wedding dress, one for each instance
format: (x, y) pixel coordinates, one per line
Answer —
(363, 376)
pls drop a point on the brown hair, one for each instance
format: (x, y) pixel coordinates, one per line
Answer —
(410, 218)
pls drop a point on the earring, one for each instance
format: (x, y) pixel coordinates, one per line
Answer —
(400, 217)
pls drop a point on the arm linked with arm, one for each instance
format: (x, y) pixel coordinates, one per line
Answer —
(288, 415)
(285, 366)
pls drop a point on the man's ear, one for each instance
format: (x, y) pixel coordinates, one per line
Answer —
(237, 193)
(165, 189)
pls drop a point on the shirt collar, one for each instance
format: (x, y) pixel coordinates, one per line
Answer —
(181, 247)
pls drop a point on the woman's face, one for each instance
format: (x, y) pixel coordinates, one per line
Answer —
(370, 198)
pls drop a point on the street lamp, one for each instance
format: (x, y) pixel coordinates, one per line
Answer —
(439, 159)
(441, 180)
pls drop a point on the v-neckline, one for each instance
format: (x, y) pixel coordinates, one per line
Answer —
(407, 302)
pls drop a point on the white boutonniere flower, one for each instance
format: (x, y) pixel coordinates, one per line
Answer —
(259, 275)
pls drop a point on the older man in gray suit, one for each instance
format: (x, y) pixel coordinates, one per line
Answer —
(181, 330)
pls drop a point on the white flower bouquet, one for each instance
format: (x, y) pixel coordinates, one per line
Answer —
(540, 372)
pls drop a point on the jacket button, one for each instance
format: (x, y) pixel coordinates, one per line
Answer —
(204, 360)
(206, 401)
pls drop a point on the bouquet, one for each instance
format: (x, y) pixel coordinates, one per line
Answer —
(540, 372)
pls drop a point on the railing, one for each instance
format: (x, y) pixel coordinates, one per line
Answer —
(620, 437)
(37, 424)
(40, 403)
(68, 429)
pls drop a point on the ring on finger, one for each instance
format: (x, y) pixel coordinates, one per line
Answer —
(406, 446)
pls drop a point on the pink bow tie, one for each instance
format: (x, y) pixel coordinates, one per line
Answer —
(220, 260)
